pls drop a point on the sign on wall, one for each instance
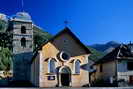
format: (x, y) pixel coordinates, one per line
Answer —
(51, 77)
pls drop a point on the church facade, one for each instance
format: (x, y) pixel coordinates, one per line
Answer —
(58, 62)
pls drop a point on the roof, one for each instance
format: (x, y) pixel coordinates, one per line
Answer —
(122, 52)
(65, 30)
(22, 16)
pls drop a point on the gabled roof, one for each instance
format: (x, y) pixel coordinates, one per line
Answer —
(123, 51)
(67, 30)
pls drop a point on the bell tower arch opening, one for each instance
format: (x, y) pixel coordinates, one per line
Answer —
(23, 30)
(23, 42)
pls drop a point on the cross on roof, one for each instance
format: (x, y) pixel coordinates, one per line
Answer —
(66, 23)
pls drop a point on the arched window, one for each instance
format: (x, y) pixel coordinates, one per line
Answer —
(77, 67)
(51, 66)
(23, 30)
(23, 42)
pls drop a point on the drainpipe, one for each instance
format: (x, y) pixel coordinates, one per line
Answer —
(116, 70)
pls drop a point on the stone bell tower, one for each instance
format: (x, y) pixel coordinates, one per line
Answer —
(22, 45)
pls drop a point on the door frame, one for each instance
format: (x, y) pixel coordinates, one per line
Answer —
(70, 76)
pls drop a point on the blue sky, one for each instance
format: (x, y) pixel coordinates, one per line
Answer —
(93, 21)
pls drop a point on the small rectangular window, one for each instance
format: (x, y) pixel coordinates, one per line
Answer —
(130, 65)
(51, 77)
(101, 68)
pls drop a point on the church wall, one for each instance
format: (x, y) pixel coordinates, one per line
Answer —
(81, 79)
(47, 52)
(35, 71)
(51, 49)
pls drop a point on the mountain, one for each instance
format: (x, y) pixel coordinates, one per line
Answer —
(107, 47)
(100, 50)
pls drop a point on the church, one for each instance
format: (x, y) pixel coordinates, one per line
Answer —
(57, 63)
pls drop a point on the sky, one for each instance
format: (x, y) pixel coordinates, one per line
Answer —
(92, 21)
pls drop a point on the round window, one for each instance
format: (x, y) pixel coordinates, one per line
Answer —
(64, 56)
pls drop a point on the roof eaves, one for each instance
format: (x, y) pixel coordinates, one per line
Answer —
(66, 29)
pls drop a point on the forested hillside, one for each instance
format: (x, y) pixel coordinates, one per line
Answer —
(40, 36)
(95, 54)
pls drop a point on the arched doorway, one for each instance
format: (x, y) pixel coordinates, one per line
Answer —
(65, 76)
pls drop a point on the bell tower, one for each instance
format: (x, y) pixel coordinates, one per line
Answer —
(22, 45)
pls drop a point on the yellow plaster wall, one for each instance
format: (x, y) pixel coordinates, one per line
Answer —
(51, 49)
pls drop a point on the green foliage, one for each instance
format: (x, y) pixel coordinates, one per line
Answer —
(40, 36)
(5, 59)
(95, 54)
(5, 40)
(3, 25)
(5, 52)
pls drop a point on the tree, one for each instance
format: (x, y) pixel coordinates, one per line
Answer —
(5, 59)
(3, 25)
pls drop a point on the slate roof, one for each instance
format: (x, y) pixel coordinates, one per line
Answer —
(122, 52)
(65, 30)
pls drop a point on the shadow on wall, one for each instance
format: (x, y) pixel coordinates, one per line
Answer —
(88, 66)
(21, 70)
(21, 66)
